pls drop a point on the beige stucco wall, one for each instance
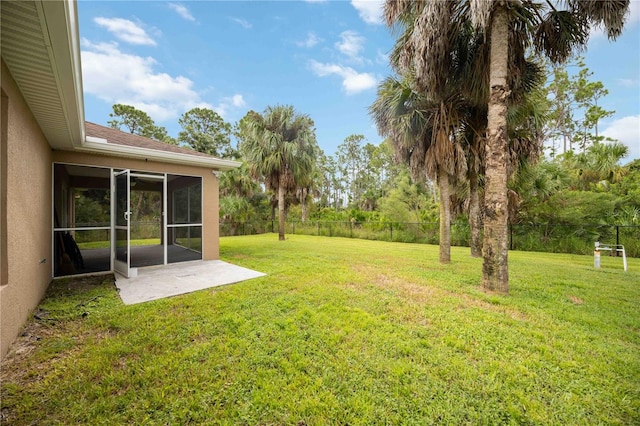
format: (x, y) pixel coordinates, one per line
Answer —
(28, 207)
(210, 224)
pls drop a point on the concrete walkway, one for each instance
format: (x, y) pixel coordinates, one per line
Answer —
(157, 282)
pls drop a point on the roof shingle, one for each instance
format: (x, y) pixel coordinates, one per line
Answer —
(118, 137)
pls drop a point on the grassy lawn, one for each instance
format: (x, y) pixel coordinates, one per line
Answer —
(341, 331)
(107, 244)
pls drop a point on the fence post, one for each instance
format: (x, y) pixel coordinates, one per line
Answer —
(617, 238)
(391, 231)
(272, 226)
(350, 229)
(293, 225)
(318, 229)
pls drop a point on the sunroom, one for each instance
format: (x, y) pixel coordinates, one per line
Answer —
(123, 202)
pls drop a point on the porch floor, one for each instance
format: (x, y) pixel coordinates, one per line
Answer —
(157, 282)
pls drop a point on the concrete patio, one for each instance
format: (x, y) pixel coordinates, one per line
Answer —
(157, 282)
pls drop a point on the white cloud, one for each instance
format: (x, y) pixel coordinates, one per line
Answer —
(125, 30)
(370, 11)
(242, 22)
(238, 101)
(182, 11)
(382, 58)
(117, 77)
(351, 45)
(627, 131)
(352, 81)
(310, 41)
(629, 82)
(232, 102)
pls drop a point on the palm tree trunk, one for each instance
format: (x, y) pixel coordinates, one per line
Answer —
(281, 212)
(495, 274)
(475, 220)
(445, 217)
(303, 207)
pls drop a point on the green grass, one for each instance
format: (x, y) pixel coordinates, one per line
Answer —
(107, 244)
(341, 331)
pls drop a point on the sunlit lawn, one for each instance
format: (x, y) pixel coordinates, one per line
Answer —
(341, 331)
(193, 243)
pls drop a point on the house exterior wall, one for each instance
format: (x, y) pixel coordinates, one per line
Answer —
(28, 213)
(210, 220)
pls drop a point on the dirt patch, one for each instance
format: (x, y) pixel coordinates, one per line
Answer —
(78, 285)
(424, 294)
(406, 289)
(470, 301)
(576, 300)
(45, 326)
(239, 256)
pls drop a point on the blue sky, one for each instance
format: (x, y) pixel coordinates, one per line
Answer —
(323, 57)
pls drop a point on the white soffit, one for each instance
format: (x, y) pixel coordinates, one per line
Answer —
(41, 49)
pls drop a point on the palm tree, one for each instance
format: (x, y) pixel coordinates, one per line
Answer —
(556, 33)
(238, 182)
(423, 134)
(280, 149)
(601, 162)
(307, 188)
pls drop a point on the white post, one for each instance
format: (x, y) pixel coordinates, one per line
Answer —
(596, 258)
(624, 259)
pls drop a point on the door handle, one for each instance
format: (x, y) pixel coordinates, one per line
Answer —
(126, 216)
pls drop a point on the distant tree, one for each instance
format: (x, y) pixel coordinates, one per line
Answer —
(139, 123)
(575, 111)
(280, 149)
(350, 159)
(600, 162)
(234, 211)
(407, 202)
(587, 95)
(238, 182)
(205, 131)
(561, 125)
(325, 188)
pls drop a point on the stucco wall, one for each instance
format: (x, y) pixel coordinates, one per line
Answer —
(210, 220)
(28, 215)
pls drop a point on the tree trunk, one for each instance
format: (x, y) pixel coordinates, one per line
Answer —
(475, 219)
(281, 212)
(445, 217)
(495, 274)
(303, 207)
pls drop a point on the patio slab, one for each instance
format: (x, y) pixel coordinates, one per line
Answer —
(157, 282)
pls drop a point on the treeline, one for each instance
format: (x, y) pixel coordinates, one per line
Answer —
(287, 177)
(583, 186)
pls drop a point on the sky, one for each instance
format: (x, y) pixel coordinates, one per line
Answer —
(325, 58)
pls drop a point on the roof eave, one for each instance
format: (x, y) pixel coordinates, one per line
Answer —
(155, 155)
(64, 50)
